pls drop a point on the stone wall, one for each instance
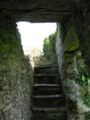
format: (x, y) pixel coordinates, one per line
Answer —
(73, 68)
(15, 74)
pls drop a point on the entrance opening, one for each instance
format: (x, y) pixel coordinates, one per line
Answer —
(35, 40)
(38, 42)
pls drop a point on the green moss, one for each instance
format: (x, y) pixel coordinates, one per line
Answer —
(87, 100)
(71, 42)
(87, 116)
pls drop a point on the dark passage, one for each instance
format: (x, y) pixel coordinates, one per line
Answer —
(48, 102)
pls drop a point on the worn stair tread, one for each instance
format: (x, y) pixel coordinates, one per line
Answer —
(48, 96)
(48, 109)
(45, 75)
(49, 66)
(46, 85)
(46, 69)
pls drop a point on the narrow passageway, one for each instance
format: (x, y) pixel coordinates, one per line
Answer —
(70, 51)
(48, 101)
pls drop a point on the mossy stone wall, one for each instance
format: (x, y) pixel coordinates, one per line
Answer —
(15, 74)
(72, 59)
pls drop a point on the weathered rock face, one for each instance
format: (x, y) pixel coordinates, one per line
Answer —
(38, 11)
(15, 74)
(85, 39)
(74, 72)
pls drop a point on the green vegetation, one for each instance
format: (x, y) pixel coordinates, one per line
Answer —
(87, 116)
(75, 70)
(84, 82)
(49, 48)
(71, 41)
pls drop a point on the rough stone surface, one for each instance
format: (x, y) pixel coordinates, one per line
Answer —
(38, 11)
(15, 74)
(70, 61)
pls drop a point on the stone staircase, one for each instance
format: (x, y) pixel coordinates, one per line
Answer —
(48, 101)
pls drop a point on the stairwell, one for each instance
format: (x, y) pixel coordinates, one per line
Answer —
(48, 101)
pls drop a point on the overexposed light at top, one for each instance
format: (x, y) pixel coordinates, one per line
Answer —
(33, 34)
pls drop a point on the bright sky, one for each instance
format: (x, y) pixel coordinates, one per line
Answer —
(33, 34)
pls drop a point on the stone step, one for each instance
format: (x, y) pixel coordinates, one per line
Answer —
(49, 114)
(47, 96)
(47, 91)
(48, 109)
(44, 78)
(45, 75)
(46, 69)
(46, 85)
(46, 101)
